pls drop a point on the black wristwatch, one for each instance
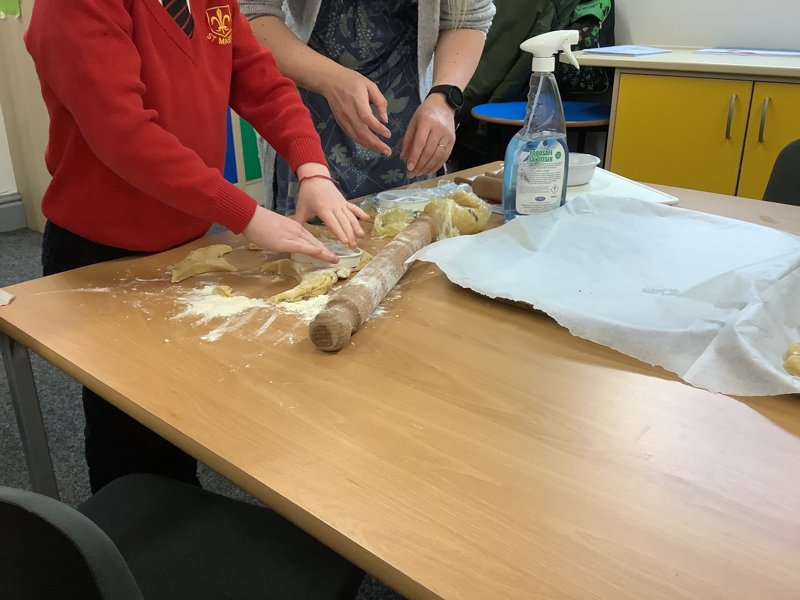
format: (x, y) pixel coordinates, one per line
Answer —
(452, 93)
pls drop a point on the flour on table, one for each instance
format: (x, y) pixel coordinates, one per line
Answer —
(95, 290)
(305, 309)
(242, 314)
(207, 304)
(267, 324)
(242, 323)
(381, 310)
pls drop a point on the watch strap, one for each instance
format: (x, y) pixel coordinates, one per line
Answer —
(446, 90)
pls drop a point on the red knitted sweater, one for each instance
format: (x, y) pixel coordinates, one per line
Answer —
(138, 117)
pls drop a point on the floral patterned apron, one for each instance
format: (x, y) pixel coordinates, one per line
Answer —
(377, 38)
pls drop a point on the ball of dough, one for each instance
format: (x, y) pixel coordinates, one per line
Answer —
(793, 349)
(792, 364)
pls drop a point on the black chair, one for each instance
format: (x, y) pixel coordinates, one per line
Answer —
(144, 537)
(784, 181)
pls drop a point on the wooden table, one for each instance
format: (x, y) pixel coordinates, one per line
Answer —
(460, 447)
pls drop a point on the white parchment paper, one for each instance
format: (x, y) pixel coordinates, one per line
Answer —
(715, 300)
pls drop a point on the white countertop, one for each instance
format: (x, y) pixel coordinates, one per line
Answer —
(684, 59)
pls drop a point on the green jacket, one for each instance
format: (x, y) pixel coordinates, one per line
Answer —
(504, 70)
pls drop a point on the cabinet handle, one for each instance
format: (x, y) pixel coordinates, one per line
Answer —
(731, 106)
(763, 124)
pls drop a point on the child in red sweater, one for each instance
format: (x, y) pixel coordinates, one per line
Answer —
(137, 95)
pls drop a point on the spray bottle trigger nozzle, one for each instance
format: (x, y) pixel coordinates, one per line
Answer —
(545, 46)
(566, 47)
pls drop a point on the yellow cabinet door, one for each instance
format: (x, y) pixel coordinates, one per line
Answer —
(774, 122)
(682, 131)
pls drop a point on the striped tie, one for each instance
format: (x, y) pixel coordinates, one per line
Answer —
(179, 11)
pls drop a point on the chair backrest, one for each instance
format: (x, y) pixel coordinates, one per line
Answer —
(50, 550)
(784, 182)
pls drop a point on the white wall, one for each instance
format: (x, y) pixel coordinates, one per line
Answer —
(7, 182)
(26, 119)
(708, 23)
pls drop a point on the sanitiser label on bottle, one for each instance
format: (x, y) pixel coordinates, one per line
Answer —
(540, 177)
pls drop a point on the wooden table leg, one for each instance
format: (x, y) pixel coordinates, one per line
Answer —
(29, 416)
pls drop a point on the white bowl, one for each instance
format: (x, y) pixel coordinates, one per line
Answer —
(581, 168)
(411, 200)
(348, 257)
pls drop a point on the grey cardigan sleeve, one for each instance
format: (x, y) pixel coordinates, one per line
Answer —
(262, 8)
(478, 16)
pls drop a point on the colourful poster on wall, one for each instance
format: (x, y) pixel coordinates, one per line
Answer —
(9, 8)
(252, 164)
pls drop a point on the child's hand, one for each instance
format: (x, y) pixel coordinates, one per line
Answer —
(320, 197)
(275, 232)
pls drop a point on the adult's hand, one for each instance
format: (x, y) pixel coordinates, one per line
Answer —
(351, 97)
(321, 198)
(430, 136)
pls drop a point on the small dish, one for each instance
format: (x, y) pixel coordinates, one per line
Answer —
(581, 168)
(349, 258)
(410, 200)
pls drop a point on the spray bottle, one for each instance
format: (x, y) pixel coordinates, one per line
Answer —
(537, 159)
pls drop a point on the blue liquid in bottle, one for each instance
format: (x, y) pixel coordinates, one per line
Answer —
(537, 158)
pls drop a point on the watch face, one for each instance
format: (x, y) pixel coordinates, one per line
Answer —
(456, 97)
(453, 94)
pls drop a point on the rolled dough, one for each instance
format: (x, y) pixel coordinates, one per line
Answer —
(311, 281)
(202, 260)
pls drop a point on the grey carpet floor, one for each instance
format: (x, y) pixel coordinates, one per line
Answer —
(60, 400)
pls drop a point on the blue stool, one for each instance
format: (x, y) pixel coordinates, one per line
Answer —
(582, 116)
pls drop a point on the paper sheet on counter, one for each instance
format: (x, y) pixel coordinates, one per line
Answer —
(712, 299)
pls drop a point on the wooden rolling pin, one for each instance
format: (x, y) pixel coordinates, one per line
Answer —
(356, 299)
(488, 186)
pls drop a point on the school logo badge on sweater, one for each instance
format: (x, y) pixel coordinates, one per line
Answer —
(220, 23)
